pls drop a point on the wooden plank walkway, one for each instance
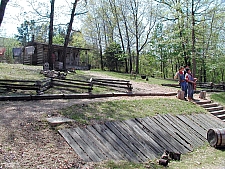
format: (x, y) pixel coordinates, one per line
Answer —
(141, 139)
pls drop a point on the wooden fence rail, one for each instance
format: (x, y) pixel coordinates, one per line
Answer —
(72, 85)
(211, 85)
(14, 85)
(203, 85)
(124, 84)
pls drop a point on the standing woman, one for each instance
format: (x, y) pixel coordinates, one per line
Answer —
(191, 84)
(182, 81)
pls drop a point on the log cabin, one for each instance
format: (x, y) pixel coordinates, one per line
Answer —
(39, 56)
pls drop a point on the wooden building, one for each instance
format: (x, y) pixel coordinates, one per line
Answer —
(39, 56)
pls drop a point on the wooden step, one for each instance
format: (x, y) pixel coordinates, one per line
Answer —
(219, 112)
(201, 102)
(211, 109)
(222, 116)
(208, 105)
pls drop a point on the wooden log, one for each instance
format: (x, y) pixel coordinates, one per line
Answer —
(81, 86)
(133, 74)
(113, 85)
(180, 94)
(84, 83)
(109, 80)
(202, 95)
(26, 81)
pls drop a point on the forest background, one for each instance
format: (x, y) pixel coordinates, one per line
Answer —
(150, 37)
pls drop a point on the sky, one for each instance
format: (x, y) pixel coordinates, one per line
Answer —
(17, 11)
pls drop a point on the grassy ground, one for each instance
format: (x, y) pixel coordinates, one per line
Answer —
(20, 72)
(128, 109)
(218, 97)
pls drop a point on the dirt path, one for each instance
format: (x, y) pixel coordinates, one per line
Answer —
(27, 141)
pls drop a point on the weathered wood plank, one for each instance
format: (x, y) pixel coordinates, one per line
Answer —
(112, 151)
(200, 122)
(155, 136)
(161, 134)
(70, 140)
(152, 143)
(216, 122)
(126, 141)
(104, 149)
(73, 82)
(84, 146)
(111, 137)
(110, 141)
(179, 143)
(193, 135)
(192, 124)
(182, 132)
(90, 143)
(175, 133)
(136, 140)
(110, 80)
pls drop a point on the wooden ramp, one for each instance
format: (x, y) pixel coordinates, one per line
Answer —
(139, 140)
(214, 108)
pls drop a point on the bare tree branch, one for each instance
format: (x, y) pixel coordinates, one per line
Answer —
(2, 9)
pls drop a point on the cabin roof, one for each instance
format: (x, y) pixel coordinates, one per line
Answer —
(55, 46)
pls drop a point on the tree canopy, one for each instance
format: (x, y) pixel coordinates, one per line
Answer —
(153, 36)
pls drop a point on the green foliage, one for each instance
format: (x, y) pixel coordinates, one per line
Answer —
(25, 31)
(9, 44)
(113, 57)
(148, 64)
(58, 39)
(77, 39)
(171, 38)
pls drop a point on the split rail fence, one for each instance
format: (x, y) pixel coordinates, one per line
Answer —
(64, 85)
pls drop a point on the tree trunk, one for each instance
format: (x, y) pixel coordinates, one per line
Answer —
(100, 43)
(69, 29)
(50, 52)
(193, 40)
(113, 6)
(128, 43)
(137, 46)
(2, 9)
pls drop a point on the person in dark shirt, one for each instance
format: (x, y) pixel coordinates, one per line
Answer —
(191, 81)
(182, 81)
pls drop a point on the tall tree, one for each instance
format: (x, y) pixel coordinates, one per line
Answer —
(50, 36)
(143, 24)
(2, 9)
(69, 29)
(116, 16)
